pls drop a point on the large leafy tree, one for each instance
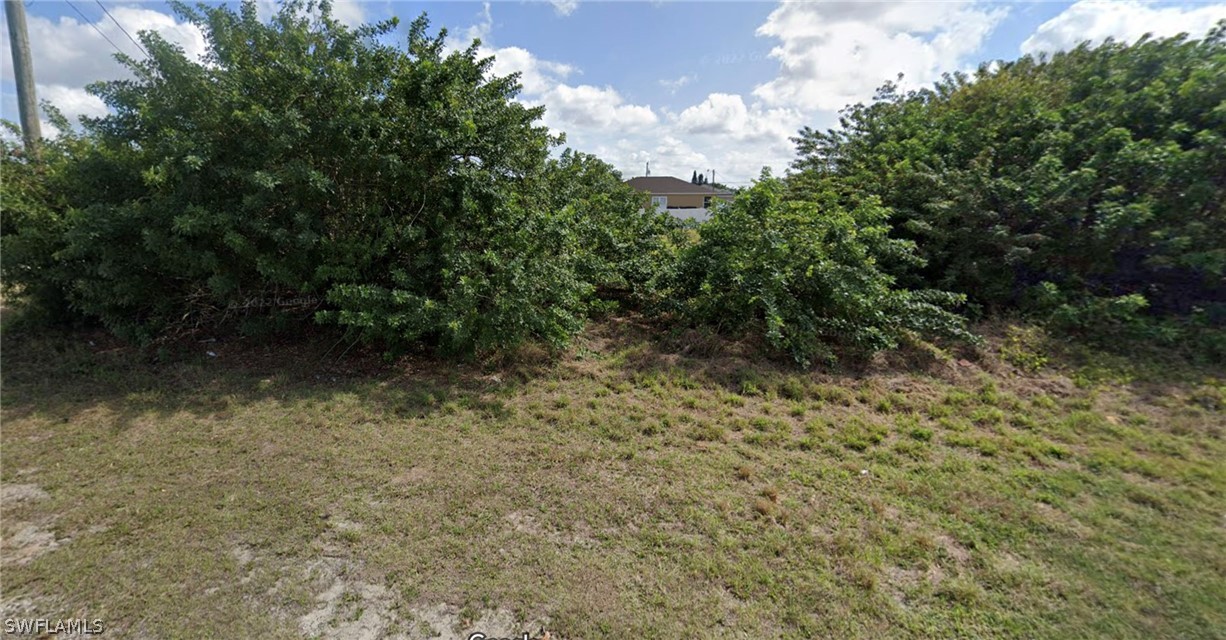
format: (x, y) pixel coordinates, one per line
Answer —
(304, 158)
(1099, 171)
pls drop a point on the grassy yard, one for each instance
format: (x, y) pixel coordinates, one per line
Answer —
(630, 488)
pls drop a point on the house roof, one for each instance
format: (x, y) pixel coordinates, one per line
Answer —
(668, 185)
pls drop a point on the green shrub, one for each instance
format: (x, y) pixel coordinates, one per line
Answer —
(804, 274)
(403, 193)
(1097, 170)
(1023, 348)
(624, 247)
(1122, 323)
(32, 227)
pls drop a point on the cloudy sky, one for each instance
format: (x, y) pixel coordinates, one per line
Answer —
(683, 85)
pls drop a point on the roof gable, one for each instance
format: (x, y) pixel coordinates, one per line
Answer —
(671, 185)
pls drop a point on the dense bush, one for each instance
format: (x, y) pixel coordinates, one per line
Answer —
(625, 247)
(805, 273)
(305, 160)
(405, 195)
(1099, 171)
(32, 227)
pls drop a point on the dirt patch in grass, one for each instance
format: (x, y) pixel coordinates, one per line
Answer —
(527, 523)
(351, 609)
(11, 493)
(27, 541)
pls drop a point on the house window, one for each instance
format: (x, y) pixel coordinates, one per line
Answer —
(706, 202)
(659, 202)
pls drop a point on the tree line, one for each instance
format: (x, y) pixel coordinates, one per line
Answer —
(406, 191)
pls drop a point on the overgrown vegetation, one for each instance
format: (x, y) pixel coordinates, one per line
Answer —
(306, 160)
(405, 196)
(806, 271)
(1086, 187)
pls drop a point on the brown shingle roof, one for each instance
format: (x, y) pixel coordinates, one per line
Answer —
(668, 185)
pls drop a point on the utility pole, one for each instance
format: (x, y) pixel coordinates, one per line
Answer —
(23, 71)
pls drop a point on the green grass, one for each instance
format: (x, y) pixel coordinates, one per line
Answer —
(617, 491)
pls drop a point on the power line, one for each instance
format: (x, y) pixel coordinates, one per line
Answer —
(95, 26)
(125, 31)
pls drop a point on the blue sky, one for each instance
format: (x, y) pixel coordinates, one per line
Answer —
(683, 85)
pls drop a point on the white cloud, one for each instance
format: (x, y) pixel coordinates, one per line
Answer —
(668, 155)
(674, 85)
(574, 109)
(721, 133)
(833, 54)
(676, 153)
(732, 133)
(564, 7)
(73, 102)
(349, 12)
(830, 54)
(1126, 21)
(727, 115)
(478, 30)
(70, 53)
(537, 76)
(589, 106)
